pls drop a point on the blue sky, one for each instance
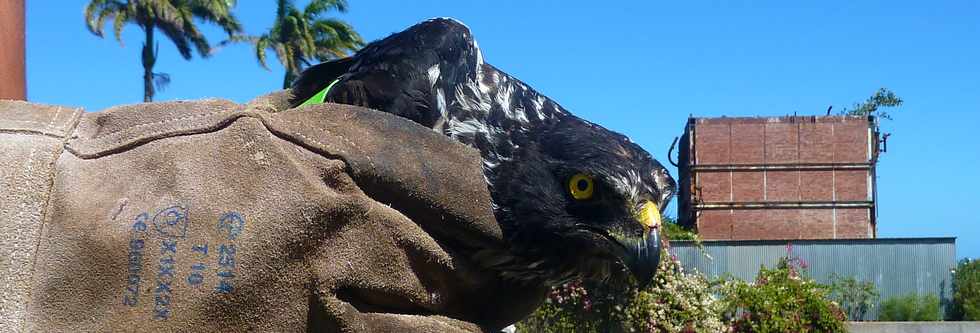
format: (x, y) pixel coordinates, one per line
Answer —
(640, 68)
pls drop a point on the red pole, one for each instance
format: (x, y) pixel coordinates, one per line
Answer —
(13, 78)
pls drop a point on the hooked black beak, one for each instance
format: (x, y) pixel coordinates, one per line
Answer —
(641, 254)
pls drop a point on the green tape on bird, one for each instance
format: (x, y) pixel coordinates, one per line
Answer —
(320, 96)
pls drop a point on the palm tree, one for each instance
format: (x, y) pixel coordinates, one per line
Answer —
(298, 37)
(174, 18)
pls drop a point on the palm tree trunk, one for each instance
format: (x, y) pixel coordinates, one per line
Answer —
(292, 71)
(281, 9)
(149, 59)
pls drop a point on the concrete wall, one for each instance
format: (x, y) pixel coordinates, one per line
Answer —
(914, 327)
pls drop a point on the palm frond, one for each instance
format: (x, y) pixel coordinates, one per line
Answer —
(298, 37)
(289, 54)
(94, 14)
(194, 35)
(97, 11)
(309, 40)
(178, 36)
(100, 22)
(217, 12)
(336, 39)
(118, 23)
(282, 53)
(289, 28)
(317, 7)
(342, 30)
(238, 38)
(261, 44)
(163, 11)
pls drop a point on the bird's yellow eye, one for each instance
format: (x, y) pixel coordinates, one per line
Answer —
(581, 186)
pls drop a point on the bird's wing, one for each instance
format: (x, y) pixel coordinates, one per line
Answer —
(400, 74)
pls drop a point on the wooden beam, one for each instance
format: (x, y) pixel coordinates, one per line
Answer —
(13, 84)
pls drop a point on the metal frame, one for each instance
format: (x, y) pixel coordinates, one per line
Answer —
(780, 167)
(783, 205)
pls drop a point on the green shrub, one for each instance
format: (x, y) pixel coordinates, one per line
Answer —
(782, 299)
(910, 307)
(966, 290)
(674, 231)
(856, 298)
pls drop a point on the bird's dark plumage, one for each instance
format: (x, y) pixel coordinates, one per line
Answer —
(434, 74)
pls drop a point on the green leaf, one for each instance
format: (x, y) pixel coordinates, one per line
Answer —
(882, 98)
(261, 44)
(317, 7)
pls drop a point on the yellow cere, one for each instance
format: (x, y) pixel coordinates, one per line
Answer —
(649, 215)
(581, 186)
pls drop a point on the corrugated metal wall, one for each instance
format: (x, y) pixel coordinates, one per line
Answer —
(897, 266)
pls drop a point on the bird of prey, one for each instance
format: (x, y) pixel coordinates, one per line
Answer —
(572, 198)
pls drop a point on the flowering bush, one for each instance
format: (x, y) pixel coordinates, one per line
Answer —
(569, 308)
(782, 299)
(675, 302)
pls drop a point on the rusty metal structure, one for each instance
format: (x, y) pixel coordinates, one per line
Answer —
(792, 177)
(12, 75)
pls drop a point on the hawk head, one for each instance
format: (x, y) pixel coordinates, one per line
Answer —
(577, 199)
(571, 197)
